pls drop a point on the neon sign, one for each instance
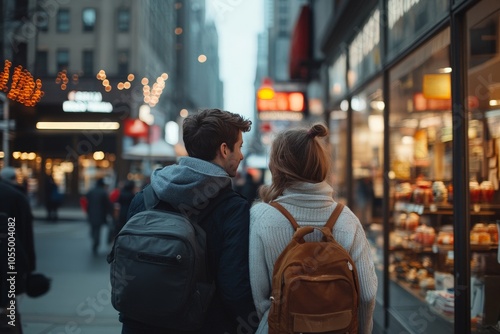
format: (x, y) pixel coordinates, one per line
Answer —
(86, 102)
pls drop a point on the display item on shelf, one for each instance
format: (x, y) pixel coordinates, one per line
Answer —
(487, 191)
(403, 192)
(440, 192)
(445, 236)
(493, 231)
(412, 221)
(425, 235)
(475, 192)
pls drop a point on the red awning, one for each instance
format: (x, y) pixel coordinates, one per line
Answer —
(300, 45)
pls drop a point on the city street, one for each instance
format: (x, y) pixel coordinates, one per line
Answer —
(79, 299)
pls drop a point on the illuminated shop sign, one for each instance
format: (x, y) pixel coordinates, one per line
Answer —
(86, 102)
(282, 101)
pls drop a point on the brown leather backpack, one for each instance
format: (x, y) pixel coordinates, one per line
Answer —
(315, 284)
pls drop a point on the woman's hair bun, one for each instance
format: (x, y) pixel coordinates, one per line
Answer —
(318, 130)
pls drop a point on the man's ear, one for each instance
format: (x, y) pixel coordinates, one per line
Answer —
(223, 150)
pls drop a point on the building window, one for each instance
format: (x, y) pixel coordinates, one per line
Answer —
(88, 19)
(88, 63)
(123, 63)
(123, 20)
(41, 63)
(62, 59)
(63, 22)
(41, 20)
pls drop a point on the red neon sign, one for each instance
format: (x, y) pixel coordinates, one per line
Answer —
(282, 101)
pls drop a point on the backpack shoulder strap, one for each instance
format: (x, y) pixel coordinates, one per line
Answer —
(150, 198)
(333, 217)
(286, 214)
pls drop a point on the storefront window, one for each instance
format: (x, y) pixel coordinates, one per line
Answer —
(364, 51)
(420, 175)
(367, 153)
(407, 20)
(337, 78)
(483, 97)
(338, 142)
(367, 109)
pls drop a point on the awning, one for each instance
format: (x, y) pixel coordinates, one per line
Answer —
(159, 150)
(300, 49)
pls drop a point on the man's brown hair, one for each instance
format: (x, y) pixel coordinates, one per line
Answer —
(204, 132)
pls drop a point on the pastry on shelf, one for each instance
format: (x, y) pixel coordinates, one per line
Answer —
(493, 231)
(445, 236)
(480, 238)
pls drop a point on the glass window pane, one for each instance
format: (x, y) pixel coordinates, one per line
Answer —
(337, 78)
(89, 19)
(41, 63)
(63, 20)
(420, 172)
(62, 60)
(123, 62)
(338, 140)
(123, 20)
(364, 51)
(88, 63)
(408, 20)
(483, 22)
(367, 164)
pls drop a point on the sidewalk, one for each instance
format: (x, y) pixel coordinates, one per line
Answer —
(79, 300)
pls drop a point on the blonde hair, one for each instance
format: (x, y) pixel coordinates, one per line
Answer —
(297, 155)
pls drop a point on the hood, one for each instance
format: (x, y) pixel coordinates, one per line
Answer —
(190, 184)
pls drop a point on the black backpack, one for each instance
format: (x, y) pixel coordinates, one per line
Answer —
(159, 273)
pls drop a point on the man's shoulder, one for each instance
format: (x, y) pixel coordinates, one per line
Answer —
(229, 197)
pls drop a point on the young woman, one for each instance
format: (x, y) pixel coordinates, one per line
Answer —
(300, 166)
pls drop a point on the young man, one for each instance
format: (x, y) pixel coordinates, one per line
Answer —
(213, 140)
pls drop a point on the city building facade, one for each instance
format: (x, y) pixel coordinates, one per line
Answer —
(113, 74)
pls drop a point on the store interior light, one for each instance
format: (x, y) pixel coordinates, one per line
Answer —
(376, 123)
(103, 126)
(344, 105)
(172, 132)
(377, 105)
(445, 70)
(494, 103)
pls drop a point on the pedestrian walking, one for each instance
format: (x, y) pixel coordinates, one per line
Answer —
(213, 140)
(99, 208)
(18, 254)
(53, 198)
(300, 166)
(123, 201)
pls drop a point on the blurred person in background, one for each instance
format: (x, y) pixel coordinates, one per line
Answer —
(16, 221)
(53, 198)
(127, 193)
(99, 207)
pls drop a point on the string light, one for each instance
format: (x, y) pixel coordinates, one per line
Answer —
(23, 88)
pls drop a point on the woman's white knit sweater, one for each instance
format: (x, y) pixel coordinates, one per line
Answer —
(310, 204)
